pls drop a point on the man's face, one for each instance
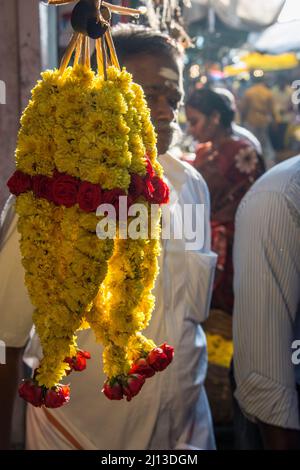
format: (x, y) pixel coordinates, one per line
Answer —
(161, 79)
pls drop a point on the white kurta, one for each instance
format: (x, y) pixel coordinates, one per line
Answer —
(172, 410)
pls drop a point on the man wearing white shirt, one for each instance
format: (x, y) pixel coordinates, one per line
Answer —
(266, 320)
(172, 411)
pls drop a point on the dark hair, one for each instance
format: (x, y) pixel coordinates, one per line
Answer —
(207, 102)
(131, 39)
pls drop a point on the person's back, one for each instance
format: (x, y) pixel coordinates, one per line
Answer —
(257, 106)
(266, 311)
(258, 113)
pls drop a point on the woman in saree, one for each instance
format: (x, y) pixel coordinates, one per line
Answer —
(230, 165)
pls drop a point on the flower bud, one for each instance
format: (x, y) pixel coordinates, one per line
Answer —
(113, 391)
(31, 392)
(133, 385)
(143, 368)
(57, 397)
(158, 359)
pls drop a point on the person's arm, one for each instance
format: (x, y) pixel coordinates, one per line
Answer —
(8, 388)
(266, 286)
(200, 260)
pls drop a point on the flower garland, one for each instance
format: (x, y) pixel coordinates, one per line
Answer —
(84, 141)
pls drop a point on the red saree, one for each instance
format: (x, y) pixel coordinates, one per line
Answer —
(229, 172)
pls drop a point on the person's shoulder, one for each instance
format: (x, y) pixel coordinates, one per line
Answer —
(248, 91)
(239, 142)
(194, 182)
(281, 177)
(236, 144)
(241, 133)
(192, 173)
(281, 183)
(252, 90)
(183, 166)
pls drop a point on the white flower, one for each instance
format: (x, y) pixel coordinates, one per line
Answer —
(246, 160)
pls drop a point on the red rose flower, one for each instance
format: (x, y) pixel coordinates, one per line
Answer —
(158, 359)
(143, 368)
(112, 197)
(85, 354)
(113, 392)
(55, 398)
(65, 189)
(161, 191)
(137, 185)
(19, 182)
(168, 350)
(148, 188)
(149, 168)
(78, 363)
(133, 385)
(89, 196)
(43, 187)
(31, 392)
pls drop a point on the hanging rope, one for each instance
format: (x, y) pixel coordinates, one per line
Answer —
(91, 19)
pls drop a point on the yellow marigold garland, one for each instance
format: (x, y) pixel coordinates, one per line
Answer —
(79, 128)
